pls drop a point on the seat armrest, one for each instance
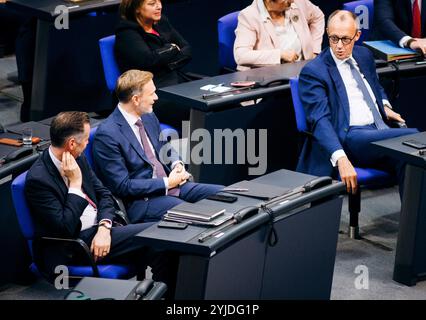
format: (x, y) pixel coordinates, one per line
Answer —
(72, 246)
(157, 291)
(397, 124)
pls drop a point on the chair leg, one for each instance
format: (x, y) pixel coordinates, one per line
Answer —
(354, 209)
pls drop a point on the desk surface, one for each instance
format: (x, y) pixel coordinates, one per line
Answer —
(45, 9)
(187, 240)
(190, 94)
(394, 148)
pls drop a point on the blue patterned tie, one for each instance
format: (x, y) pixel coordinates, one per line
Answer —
(378, 121)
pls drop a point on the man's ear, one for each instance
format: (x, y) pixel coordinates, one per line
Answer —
(358, 35)
(70, 144)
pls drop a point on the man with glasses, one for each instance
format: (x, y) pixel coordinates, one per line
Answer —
(346, 108)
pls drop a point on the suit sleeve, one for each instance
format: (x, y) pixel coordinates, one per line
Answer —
(385, 21)
(61, 220)
(104, 199)
(313, 95)
(245, 41)
(111, 165)
(185, 54)
(316, 24)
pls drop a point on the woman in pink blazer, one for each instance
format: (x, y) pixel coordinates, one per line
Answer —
(278, 31)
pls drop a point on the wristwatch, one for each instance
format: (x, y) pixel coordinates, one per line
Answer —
(105, 224)
(408, 42)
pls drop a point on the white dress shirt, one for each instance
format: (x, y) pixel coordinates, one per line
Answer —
(406, 38)
(131, 120)
(359, 111)
(89, 216)
(286, 34)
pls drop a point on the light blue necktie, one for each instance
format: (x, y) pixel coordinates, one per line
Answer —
(378, 121)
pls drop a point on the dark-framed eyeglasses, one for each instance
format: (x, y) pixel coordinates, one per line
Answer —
(345, 40)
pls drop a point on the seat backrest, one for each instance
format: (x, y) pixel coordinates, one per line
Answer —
(297, 105)
(364, 8)
(111, 70)
(226, 31)
(23, 214)
(88, 152)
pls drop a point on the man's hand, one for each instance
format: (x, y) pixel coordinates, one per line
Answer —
(347, 174)
(176, 178)
(179, 167)
(71, 170)
(419, 44)
(289, 56)
(392, 115)
(101, 243)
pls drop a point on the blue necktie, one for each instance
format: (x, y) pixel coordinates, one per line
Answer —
(378, 121)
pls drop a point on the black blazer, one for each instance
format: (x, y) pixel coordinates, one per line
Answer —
(57, 213)
(393, 19)
(136, 49)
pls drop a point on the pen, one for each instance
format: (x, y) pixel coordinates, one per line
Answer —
(235, 189)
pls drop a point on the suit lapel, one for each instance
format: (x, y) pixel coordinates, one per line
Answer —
(86, 184)
(54, 173)
(271, 31)
(129, 134)
(338, 82)
(369, 77)
(150, 131)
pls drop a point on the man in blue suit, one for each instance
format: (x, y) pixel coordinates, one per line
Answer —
(402, 21)
(346, 107)
(134, 163)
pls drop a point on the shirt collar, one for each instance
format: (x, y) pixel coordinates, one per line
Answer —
(55, 160)
(264, 12)
(130, 118)
(262, 9)
(341, 62)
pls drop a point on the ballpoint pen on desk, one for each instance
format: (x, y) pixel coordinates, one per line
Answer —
(235, 189)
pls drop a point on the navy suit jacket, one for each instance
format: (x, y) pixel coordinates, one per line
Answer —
(121, 162)
(393, 19)
(56, 212)
(323, 95)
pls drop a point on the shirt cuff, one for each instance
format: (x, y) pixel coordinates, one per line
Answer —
(336, 156)
(387, 103)
(166, 184)
(76, 192)
(403, 41)
(176, 162)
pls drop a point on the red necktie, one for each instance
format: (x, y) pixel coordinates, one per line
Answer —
(158, 167)
(416, 32)
(93, 204)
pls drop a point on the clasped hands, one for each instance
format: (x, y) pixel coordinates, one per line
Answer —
(178, 176)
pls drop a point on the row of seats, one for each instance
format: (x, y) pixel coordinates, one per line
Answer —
(226, 28)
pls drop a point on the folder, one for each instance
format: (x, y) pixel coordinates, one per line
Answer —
(195, 211)
(389, 51)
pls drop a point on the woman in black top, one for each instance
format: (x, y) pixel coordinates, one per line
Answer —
(145, 40)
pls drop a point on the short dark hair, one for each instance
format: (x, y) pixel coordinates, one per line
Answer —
(345, 14)
(128, 8)
(67, 124)
(131, 82)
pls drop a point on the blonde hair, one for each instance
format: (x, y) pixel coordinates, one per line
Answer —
(130, 82)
